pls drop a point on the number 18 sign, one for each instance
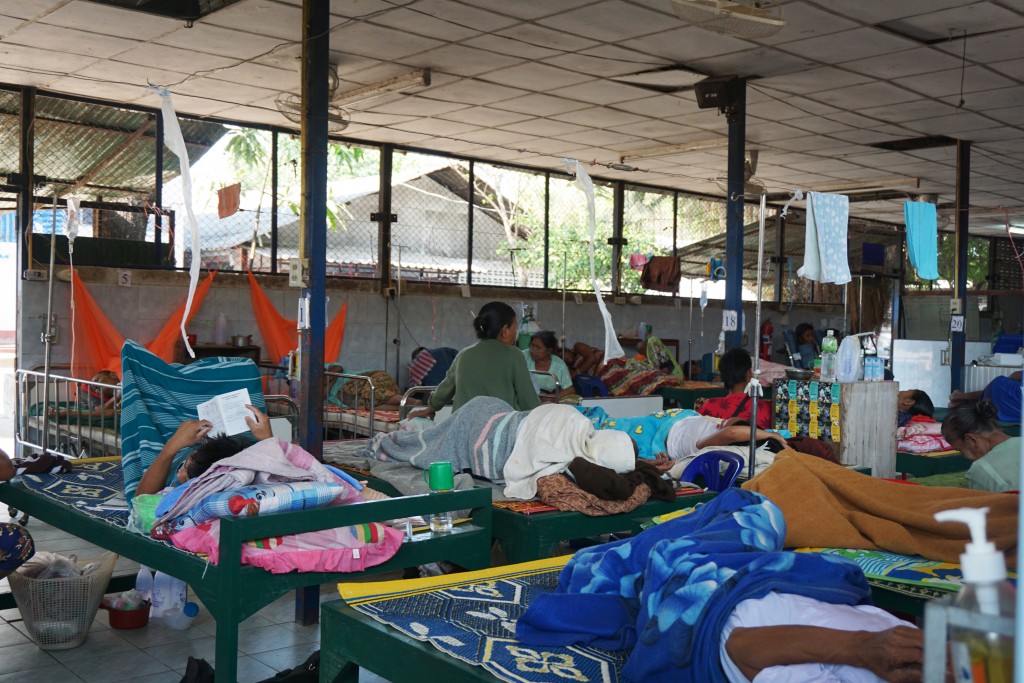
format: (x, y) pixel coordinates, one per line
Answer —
(730, 320)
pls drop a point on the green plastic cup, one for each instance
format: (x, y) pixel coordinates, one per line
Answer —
(439, 476)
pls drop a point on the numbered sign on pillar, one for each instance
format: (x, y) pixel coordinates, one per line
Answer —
(730, 320)
(956, 323)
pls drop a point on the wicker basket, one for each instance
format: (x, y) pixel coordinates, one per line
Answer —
(59, 612)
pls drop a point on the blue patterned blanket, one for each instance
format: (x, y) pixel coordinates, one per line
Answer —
(157, 397)
(91, 487)
(668, 592)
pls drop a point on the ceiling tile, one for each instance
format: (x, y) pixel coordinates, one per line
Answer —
(29, 9)
(953, 126)
(425, 25)
(685, 44)
(530, 9)
(230, 92)
(494, 136)
(116, 92)
(865, 95)
(654, 129)
(972, 17)
(770, 131)
(112, 21)
(540, 105)
(847, 46)
(544, 127)
(471, 91)
(539, 36)
(379, 42)
(612, 21)
(261, 76)
(946, 83)
(878, 11)
(61, 39)
(464, 61)
(354, 8)
(192, 105)
(1014, 68)
(538, 77)
(601, 92)
(813, 80)
(991, 47)
(417, 106)
(263, 17)
(604, 67)
(599, 138)
(919, 60)
(1013, 116)
(485, 116)
(761, 62)
(433, 126)
(898, 113)
(174, 59)
(992, 99)
(659, 106)
(462, 14)
(599, 117)
(219, 41)
(43, 60)
(115, 71)
(808, 22)
(512, 48)
(550, 146)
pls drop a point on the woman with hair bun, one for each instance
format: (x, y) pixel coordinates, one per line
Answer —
(973, 429)
(493, 366)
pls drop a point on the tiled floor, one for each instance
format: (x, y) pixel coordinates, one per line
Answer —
(269, 641)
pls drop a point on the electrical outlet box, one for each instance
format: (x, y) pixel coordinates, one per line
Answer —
(297, 271)
(620, 301)
(388, 292)
(35, 274)
(955, 308)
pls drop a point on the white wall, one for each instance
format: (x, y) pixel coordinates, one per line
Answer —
(441, 319)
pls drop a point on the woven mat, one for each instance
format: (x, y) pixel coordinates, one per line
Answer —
(472, 617)
(90, 487)
(887, 567)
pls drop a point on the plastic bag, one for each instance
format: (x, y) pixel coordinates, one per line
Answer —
(47, 565)
(848, 365)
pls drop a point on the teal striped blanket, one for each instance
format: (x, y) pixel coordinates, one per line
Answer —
(157, 397)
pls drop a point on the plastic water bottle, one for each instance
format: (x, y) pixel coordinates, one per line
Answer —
(829, 347)
(181, 618)
(168, 593)
(144, 582)
(220, 329)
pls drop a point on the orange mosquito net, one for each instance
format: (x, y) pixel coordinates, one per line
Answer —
(281, 335)
(98, 343)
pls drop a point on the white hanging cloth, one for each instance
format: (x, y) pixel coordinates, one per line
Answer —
(612, 349)
(176, 143)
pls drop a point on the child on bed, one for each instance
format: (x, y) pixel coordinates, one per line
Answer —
(94, 401)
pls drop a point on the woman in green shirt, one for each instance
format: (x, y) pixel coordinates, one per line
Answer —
(973, 429)
(491, 367)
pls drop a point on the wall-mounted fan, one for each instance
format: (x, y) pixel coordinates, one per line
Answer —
(752, 186)
(290, 106)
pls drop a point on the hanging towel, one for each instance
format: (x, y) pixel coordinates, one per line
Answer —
(825, 260)
(228, 200)
(661, 273)
(922, 238)
(638, 261)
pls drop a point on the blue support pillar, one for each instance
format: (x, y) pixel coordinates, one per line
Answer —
(736, 113)
(315, 54)
(963, 204)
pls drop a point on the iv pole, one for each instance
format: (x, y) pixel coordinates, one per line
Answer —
(689, 333)
(564, 286)
(754, 387)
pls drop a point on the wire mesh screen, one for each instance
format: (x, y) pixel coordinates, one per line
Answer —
(508, 226)
(647, 226)
(569, 234)
(10, 150)
(430, 194)
(1007, 270)
(353, 193)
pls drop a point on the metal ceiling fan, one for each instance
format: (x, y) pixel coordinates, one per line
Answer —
(290, 106)
(739, 18)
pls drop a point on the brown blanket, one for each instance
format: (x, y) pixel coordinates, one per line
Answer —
(558, 491)
(826, 505)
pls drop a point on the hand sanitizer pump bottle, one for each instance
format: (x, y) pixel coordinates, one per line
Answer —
(978, 656)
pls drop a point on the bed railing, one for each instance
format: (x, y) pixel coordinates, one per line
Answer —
(404, 407)
(83, 418)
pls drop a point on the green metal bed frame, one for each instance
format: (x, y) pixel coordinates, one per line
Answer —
(233, 592)
(926, 465)
(350, 639)
(685, 398)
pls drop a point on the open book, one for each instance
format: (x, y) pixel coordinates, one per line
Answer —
(227, 412)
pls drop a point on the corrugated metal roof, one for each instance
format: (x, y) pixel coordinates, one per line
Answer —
(101, 151)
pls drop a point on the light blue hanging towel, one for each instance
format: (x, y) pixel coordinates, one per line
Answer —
(825, 242)
(922, 238)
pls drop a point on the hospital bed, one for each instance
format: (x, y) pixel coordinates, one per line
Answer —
(481, 647)
(230, 591)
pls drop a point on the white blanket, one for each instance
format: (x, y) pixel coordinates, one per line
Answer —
(550, 437)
